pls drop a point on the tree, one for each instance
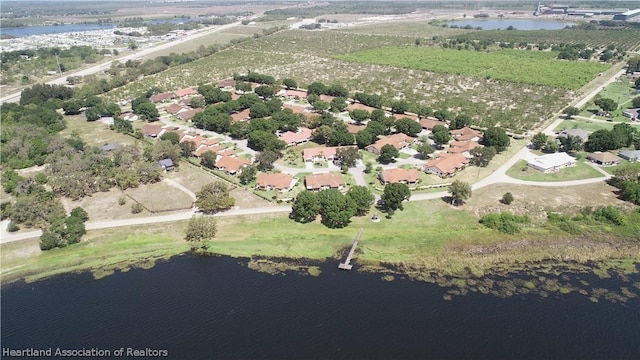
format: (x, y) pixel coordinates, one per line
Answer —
(197, 102)
(305, 207)
(266, 159)
(388, 153)
(337, 90)
(248, 174)
(399, 107)
(408, 127)
(187, 148)
(600, 140)
(507, 198)
(148, 111)
(359, 115)
(636, 84)
(441, 135)
(393, 196)
(336, 209)
(570, 143)
(171, 136)
(338, 104)
(364, 138)
(539, 140)
(571, 111)
(201, 228)
(425, 149)
(551, 146)
(79, 213)
(460, 121)
(362, 197)
(623, 134)
(264, 91)
(208, 159)
(259, 110)
(164, 149)
(482, 156)
(497, 138)
(289, 83)
(321, 106)
(460, 191)
(214, 197)
(92, 114)
(262, 140)
(375, 128)
(606, 104)
(348, 156)
(317, 88)
(72, 107)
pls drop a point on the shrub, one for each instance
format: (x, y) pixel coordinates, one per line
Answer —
(12, 227)
(122, 200)
(611, 215)
(505, 222)
(507, 198)
(136, 208)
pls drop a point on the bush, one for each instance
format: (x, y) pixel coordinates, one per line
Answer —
(122, 200)
(507, 198)
(611, 215)
(504, 222)
(12, 227)
(136, 208)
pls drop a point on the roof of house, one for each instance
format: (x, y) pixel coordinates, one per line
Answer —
(354, 129)
(242, 115)
(317, 181)
(397, 175)
(462, 146)
(398, 141)
(630, 154)
(360, 106)
(289, 137)
(325, 152)
(208, 148)
(448, 164)
(583, 134)
(465, 134)
(549, 161)
(632, 112)
(429, 123)
(402, 116)
(327, 98)
(193, 138)
(189, 114)
(296, 109)
(174, 108)
(166, 163)
(161, 97)
(603, 157)
(279, 181)
(226, 83)
(185, 92)
(151, 129)
(299, 93)
(231, 164)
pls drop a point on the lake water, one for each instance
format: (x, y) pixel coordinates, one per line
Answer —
(216, 308)
(57, 29)
(520, 24)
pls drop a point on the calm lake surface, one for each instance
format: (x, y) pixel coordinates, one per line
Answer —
(57, 29)
(216, 308)
(520, 24)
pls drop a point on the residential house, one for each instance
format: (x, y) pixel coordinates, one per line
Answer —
(302, 136)
(152, 130)
(322, 153)
(582, 134)
(360, 106)
(292, 94)
(189, 114)
(156, 98)
(227, 84)
(185, 92)
(194, 138)
(296, 109)
(231, 165)
(166, 164)
(280, 182)
(175, 109)
(241, 116)
(129, 116)
(633, 114)
(399, 175)
(630, 155)
(354, 129)
(107, 120)
(446, 164)
(399, 141)
(402, 116)
(429, 123)
(604, 158)
(552, 162)
(200, 150)
(324, 181)
(463, 147)
(466, 134)
(327, 98)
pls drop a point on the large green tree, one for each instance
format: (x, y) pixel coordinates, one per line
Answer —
(335, 208)
(460, 191)
(201, 228)
(348, 156)
(214, 197)
(606, 104)
(496, 137)
(539, 140)
(408, 127)
(362, 197)
(393, 196)
(306, 207)
(388, 153)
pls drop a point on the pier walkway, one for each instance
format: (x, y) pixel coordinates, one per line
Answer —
(346, 265)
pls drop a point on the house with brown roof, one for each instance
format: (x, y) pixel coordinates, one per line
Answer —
(195, 138)
(302, 136)
(175, 109)
(189, 114)
(296, 109)
(463, 147)
(402, 116)
(200, 150)
(604, 158)
(322, 153)
(399, 141)
(292, 94)
(429, 122)
(227, 84)
(466, 134)
(156, 98)
(327, 98)
(241, 116)
(185, 92)
(399, 175)
(360, 106)
(446, 164)
(279, 181)
(317, 182)
(152, 130)
(354, 129)
(231, 165)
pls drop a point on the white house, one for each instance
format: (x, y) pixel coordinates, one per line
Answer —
(552, 162)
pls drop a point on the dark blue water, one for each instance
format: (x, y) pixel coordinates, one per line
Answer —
(58, 29)
(520, 24)
(215, 308)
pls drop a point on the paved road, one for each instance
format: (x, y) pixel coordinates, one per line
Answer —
(15, 97)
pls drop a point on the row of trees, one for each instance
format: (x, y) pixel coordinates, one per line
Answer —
(335, 208)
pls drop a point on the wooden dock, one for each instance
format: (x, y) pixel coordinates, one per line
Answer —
(346, 265)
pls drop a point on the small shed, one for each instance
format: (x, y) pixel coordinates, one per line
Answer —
(166, 164)
(109, 147)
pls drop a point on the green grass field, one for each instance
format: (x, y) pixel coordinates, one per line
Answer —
(529, 67)
(581, 171)
(584, 125)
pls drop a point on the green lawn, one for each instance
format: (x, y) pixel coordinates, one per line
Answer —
(623, 165)
(519, 66)
(581, 171)
(584, 125)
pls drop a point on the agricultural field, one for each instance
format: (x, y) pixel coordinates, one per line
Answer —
(627, 39)
(518, 66)
(412, 29)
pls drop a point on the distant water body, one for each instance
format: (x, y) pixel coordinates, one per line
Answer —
(66, 28)
(216, 308)
(520, 24)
